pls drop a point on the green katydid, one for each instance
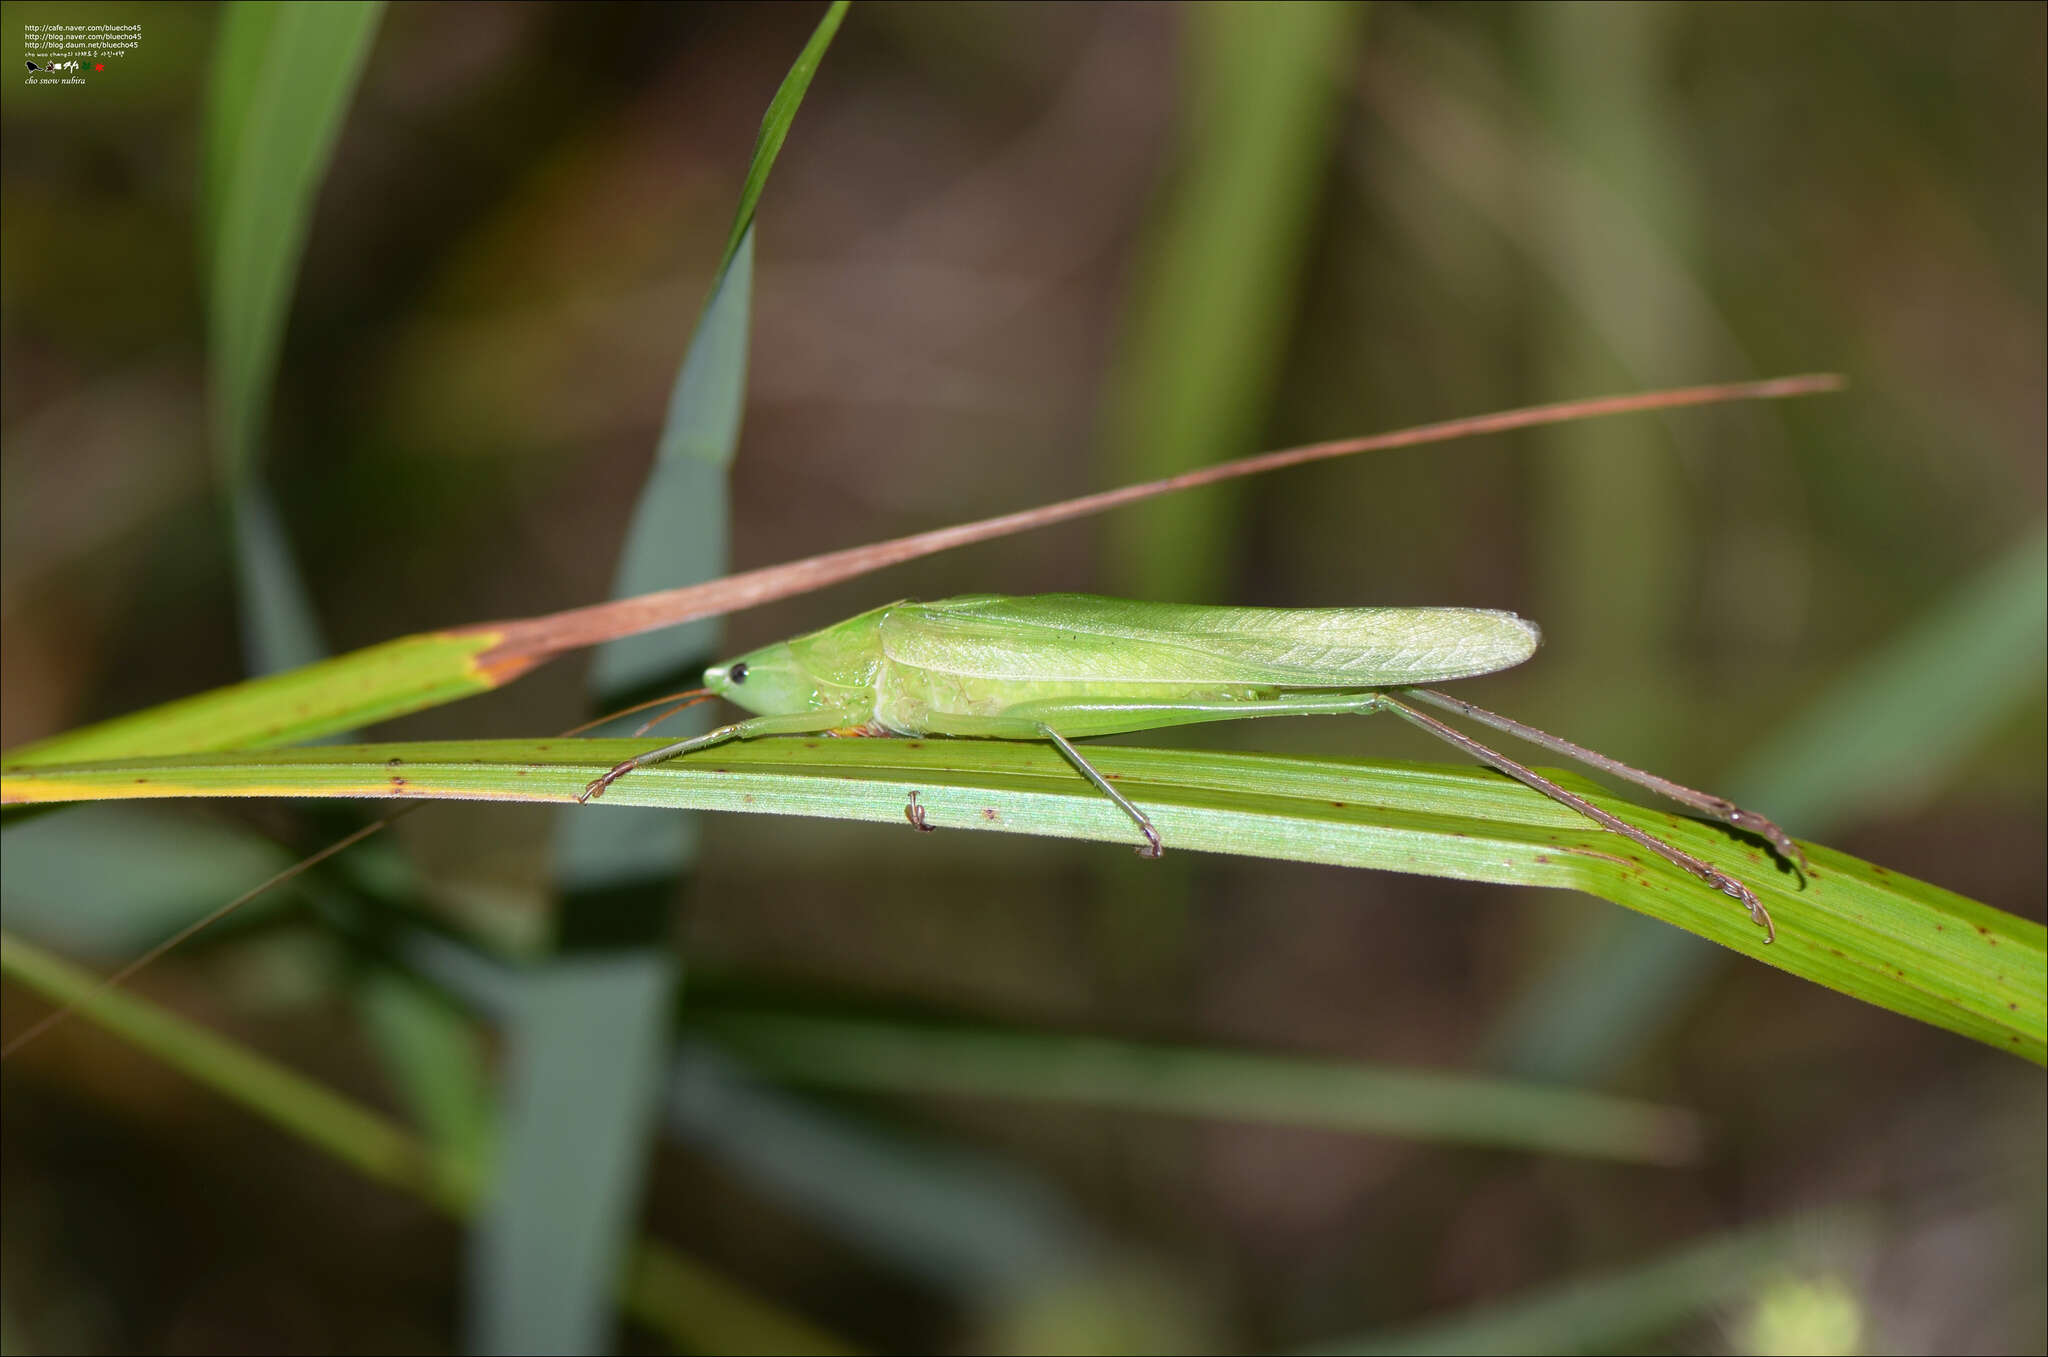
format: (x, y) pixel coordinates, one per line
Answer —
(1061, 667)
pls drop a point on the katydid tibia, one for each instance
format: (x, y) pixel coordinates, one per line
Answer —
(1061, 667)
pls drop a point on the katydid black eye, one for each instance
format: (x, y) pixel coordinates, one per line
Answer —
(738, 673)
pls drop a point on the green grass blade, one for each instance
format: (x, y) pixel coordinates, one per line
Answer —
(280, 631)
(868, 1055)
(1627, 1308)
(1893, 727)
(555, 1234)
(358, 688)
(577, 1137)
(283, 77)
(680, 524)
(1854, 927)
(959, 1220)
(1900, 721)
(1264, 85)
(434, 1054)
(693, 1306)
(339, 1128)
(105, 881)
(954, 1218)
(775, 126)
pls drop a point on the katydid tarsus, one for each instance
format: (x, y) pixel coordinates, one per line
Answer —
(1061, 667)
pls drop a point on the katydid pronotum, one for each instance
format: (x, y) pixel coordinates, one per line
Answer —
(1061, 667)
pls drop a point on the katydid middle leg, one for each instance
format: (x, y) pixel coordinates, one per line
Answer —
(1048, 720)
(1153, 848)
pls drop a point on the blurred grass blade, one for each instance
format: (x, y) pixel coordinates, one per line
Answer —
(430, 668)
(1885, 938)
(694, 1307)
(1262, 86)
(1629, 1308)
(282, 80)
(1886, 735)
(952, 1218)
(1330, 1095)
(344, 1131)
(280, 631)
(283, 77)
(577, 1141)
(553, 1239)
(1881, 738)
(435, 1055)
(680, 525)
(73, 881)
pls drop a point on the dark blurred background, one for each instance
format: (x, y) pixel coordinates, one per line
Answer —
(976, 293)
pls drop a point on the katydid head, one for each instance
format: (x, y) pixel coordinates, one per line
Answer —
(830, 670)
(768, 681)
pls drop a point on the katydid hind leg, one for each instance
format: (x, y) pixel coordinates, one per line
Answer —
(1153, 847)
(1719, 880)
(1719, 808)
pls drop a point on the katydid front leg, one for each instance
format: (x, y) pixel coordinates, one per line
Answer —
(793, 723)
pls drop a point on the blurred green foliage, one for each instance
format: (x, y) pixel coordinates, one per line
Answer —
(524, 210)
